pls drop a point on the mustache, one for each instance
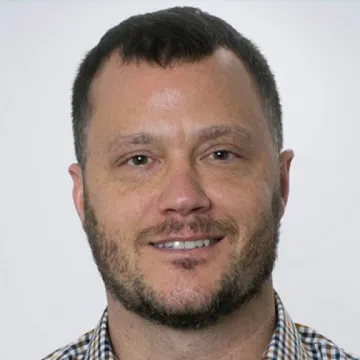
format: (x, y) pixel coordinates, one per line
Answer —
(202, 224)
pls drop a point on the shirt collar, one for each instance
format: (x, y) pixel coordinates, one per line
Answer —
(285, 342)
(100, 347)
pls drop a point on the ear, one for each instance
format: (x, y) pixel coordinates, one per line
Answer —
(285, 159)
(78, 190)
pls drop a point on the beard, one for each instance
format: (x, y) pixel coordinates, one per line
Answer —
(244, 278)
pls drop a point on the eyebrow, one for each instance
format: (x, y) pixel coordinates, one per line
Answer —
(214, 132)
(141, 138)
(204, 135)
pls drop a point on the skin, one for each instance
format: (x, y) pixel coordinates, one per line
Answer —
(182, 180)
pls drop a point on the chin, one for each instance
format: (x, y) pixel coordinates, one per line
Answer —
(194, 299)
(183, 293)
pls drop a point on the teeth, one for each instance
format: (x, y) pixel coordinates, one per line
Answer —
(189, 244)
(199, 243)
(180, 245)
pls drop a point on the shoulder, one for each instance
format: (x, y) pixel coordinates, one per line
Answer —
(320, 347)
(73, 351)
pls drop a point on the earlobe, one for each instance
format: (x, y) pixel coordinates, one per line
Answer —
(78, 191)
(285, 158)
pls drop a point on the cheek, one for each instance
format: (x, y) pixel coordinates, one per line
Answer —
(120, 211)
(242, 194)
(247, 201)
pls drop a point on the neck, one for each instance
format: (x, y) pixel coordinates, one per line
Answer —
(244, 334)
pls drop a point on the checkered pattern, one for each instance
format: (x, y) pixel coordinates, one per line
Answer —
(290, 341)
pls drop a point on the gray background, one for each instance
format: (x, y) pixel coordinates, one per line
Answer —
(50, 292)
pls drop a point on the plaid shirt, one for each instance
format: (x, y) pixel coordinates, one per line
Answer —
(290, 341)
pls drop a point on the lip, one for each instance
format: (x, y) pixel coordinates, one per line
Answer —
(187, 238)
(195, 253)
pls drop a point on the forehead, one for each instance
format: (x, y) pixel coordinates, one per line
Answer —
(141, 96)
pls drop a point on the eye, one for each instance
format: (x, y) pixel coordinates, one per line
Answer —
(221, 155)
(138, 160)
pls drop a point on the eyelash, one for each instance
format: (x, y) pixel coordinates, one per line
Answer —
(136, 156)
(229, 152)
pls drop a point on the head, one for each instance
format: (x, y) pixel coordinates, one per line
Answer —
(178, 137)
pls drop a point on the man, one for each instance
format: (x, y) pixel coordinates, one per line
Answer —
(180, 185)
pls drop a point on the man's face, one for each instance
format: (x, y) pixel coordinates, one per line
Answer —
(183, 189)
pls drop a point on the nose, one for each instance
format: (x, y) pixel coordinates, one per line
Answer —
(182, 193)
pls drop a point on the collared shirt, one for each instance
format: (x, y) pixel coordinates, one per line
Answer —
(290, 341)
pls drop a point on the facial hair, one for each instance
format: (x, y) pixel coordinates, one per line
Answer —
(246, 274)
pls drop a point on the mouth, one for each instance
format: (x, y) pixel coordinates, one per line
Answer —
(179, 244)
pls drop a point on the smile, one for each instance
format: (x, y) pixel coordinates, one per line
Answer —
(186, 245)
